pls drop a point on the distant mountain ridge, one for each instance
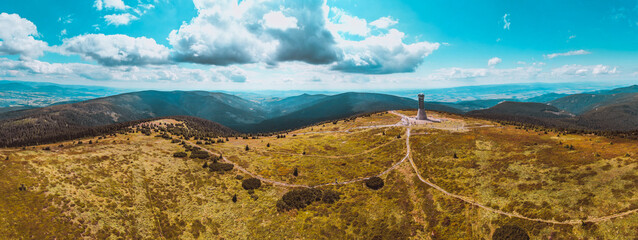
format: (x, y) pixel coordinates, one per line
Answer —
(605, 110)
(229, 110)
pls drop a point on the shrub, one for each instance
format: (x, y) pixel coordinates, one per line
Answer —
(235, 198)
(300, 198)
(199, 154)
(330, 196)
(510, 232)
(374, 183)
(205, 165)
(295, 172)
(251, 183)
(220, 167)
(180, 154)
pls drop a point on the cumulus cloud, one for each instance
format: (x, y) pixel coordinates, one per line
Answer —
(384, 22)
(506, 21)
(115, 50)
(493, 61)
(120, 19)
(278, 20)
(82, 71)
(275, 31)
(109, 4)
(17, 37)
(345, 23)
(580, 70)
(228, 32)
(383, 54)
(570, 53)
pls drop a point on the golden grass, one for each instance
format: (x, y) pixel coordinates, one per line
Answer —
(131, 187)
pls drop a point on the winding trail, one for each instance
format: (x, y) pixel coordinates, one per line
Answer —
(405, 121)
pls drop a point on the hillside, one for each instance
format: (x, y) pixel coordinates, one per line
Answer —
(373, 177)
(342, 106)
(621, 115)
(581, 103)
(521, 109)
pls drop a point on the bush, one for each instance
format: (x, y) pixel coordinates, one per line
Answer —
(180, 154)
(510, 232)
(374, 183)
(235, 198)
(300, 198)
(200, 154)
(251, 183)
(330, 196)
(220, 167)
(295, 172)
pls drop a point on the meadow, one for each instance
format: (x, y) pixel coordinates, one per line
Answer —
(131, 186)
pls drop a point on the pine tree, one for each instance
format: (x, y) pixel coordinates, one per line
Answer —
(268, 145)
(247, 148)
(295, 172)
(455, 156)
(235, 198)
(205, 165)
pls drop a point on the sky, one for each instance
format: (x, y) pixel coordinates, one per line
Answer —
(317, 44)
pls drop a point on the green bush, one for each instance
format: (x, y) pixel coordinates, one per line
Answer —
(510, 232)
(220, 167)
(180, 154)
(251, 183)
(374, 183)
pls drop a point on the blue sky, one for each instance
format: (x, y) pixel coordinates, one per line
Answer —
(317, 45)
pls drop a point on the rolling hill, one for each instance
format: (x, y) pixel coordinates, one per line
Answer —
(234, 112)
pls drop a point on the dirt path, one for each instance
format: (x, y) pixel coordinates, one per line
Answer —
(332, 156)
(405, 122)
(284, 184)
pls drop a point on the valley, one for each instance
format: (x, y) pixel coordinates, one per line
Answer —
(461, 178)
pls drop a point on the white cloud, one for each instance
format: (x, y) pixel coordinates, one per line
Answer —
(383, 54)
(278, 20)
(570, 53)
(17, 37)
(493, 61)
(344, 23)
(227, 32)
(109, 4)
(384, 22)
(506, 21)
(81, 72)
(580, 70)
(487, 75)
(63, 33)
(572, 37)
(115, 50)
(66, 19)
(120, 19)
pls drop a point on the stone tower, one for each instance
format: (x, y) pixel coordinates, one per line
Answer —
(421, 114)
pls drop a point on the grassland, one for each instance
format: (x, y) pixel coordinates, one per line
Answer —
(131, 186)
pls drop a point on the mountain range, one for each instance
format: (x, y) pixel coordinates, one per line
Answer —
(609, 110)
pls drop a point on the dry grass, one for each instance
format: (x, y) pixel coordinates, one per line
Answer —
(131, 187)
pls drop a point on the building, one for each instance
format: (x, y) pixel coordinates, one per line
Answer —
(421, 114)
